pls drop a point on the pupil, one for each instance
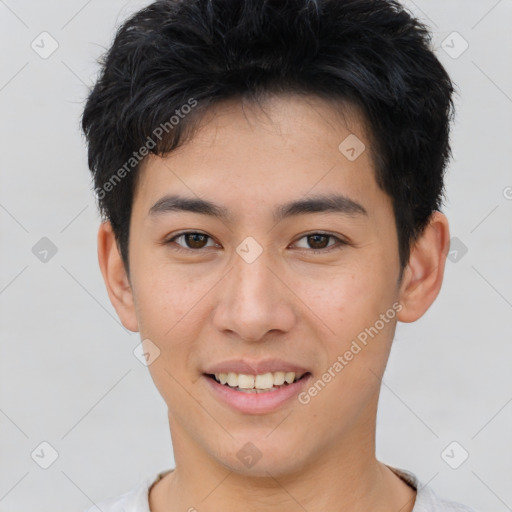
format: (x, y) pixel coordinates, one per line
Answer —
(195, 236)
(317, 236)
(194, 240)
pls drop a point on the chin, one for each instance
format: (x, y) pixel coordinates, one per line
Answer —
(265, 459)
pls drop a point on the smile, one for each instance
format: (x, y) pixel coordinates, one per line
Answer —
(270, 381)
(256, 394)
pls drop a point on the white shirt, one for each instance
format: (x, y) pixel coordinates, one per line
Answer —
(137, 499)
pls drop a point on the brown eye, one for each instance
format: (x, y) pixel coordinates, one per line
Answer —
(195, 240)
(318, 241)
(191, 241)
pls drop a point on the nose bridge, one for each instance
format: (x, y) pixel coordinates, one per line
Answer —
(253, 300)
(253, 279)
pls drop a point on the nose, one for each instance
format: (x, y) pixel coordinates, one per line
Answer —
(254, 300)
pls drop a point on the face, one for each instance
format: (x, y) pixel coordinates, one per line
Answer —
(264, 288)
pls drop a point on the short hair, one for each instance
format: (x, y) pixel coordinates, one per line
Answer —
(175, 58)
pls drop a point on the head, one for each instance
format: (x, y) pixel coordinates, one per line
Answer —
(302, 146)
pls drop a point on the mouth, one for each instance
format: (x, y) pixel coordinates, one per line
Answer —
(262, 383)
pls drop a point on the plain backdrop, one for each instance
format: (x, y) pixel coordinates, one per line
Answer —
(68, 374)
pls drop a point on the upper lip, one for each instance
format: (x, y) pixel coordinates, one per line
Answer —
(248, 367)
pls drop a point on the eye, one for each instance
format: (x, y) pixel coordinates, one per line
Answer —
(319, 242)
(193, 241)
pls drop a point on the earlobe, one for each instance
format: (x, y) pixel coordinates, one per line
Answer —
(423, 275)
(115, 277)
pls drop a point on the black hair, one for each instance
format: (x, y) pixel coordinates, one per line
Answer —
(173, 59)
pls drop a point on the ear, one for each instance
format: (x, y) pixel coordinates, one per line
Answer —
(115, 277)
(423, 274)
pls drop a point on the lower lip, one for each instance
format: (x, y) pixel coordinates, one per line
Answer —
(257, 403)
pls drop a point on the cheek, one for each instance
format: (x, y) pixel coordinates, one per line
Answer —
(357, 354)
(352, 300)
(165, 294)
(358, 309)
(169, 317)
(168, 309)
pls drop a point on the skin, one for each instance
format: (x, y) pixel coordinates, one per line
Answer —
(207, 306)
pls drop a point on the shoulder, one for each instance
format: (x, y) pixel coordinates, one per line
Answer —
(426, 499)
(430, 502)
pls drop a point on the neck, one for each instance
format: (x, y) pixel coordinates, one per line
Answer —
(345, 477)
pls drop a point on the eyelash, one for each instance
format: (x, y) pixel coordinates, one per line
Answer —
(327, 250)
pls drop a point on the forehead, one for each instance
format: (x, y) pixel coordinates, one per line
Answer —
(242, 154)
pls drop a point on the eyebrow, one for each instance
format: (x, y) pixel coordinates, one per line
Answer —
(331, 203)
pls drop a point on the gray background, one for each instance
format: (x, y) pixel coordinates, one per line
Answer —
(68, 373)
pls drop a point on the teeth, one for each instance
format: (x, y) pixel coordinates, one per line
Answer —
(263, 381)
(279, 378)
(289, 377)
(245, 381)
(232, 379)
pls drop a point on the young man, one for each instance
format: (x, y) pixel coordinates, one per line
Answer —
(270, 175)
